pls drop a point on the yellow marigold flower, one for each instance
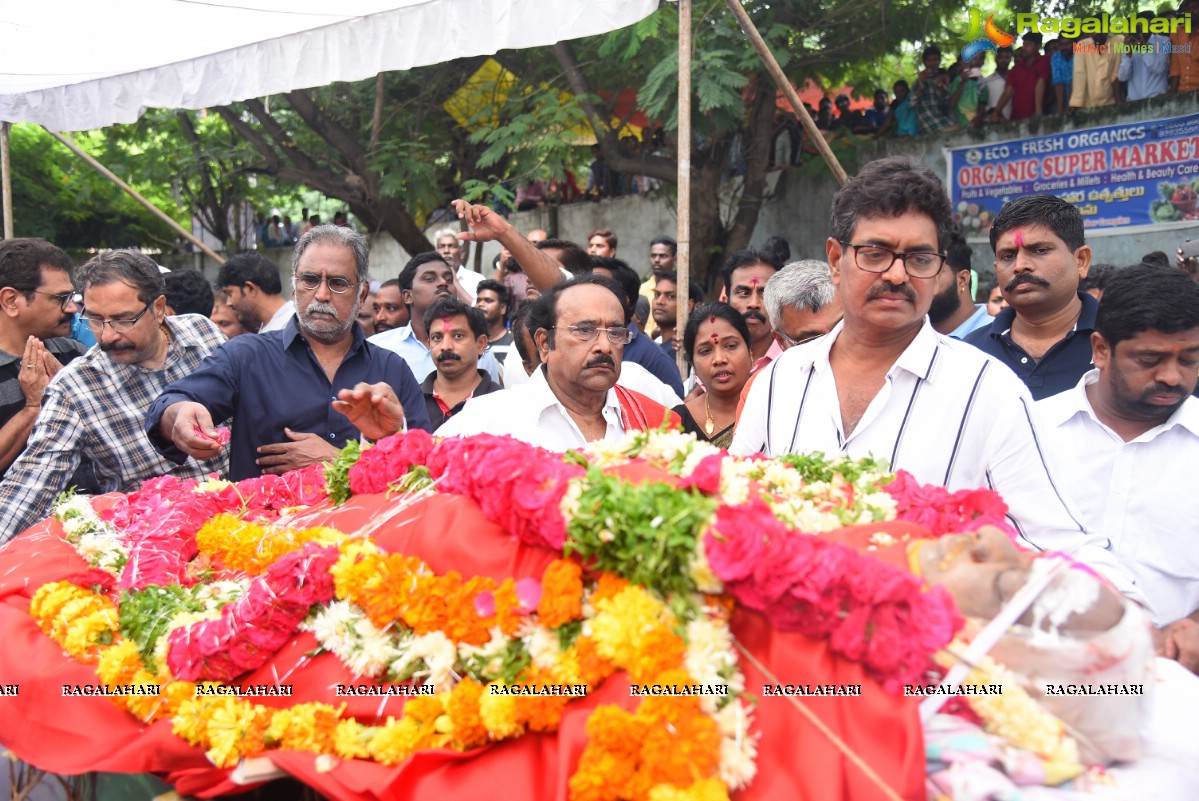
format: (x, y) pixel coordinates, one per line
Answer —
(702, 790)
(395, 741)
(561, 594)
(351, 740)
(235, 729)
(147, 708)
(190, 720)
(424, 708)
(234, 542)
(175, 693)
(119, 662)
(622, 621)
(498, 713)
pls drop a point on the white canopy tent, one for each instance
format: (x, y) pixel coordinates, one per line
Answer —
(73, 65)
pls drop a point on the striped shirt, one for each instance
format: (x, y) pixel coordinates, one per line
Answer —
(95, 409)
(947, 413)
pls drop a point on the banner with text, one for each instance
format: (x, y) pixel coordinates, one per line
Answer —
(1143, 173)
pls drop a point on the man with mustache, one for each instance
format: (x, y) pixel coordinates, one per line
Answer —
(884, 383)
(1045, 333)
(1128, 436)
(389, 308)
(457, 336)
(745, 277)
(281, 388)
(92, 411)
(580, 331)
(37, 301)
(425, 279)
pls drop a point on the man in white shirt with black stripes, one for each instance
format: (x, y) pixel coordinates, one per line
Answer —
(884, 383)
(1128, 438)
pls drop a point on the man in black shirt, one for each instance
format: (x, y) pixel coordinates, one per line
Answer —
(457, 337)
(1045, 333)
(37, 303)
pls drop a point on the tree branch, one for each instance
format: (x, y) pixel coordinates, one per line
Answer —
(616, 156)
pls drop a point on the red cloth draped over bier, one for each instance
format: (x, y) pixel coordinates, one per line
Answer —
(77, 734)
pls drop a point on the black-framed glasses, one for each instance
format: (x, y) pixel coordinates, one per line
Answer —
(310, 282)
(119, 326)
(875, 259)
(64, 298)
(617, 334)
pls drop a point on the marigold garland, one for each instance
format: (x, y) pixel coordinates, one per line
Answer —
(670, 748)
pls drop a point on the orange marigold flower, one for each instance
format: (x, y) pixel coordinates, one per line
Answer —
(462, 707)
(601, 776)
(593, 668)
(608, 586)
(561, 594)
(659, 650)
(682, 752)
(508, 615)
(541, 712)
(613, 729)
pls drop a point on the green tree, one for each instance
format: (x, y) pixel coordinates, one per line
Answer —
(384, 147)
(58, 197)
(734, 108)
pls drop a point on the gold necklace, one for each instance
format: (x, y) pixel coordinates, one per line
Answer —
(710, 423)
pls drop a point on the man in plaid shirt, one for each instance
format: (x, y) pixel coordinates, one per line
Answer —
(94, 408)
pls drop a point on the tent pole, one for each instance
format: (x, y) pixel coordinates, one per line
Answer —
(107, 173)
(776, 72)
(683, 257)
(6, 179)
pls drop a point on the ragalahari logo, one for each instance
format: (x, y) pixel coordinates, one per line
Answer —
(983, 37)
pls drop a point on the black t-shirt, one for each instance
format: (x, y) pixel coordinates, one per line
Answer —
(12, 399)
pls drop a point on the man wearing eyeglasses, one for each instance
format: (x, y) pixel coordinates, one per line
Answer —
(92, 411)
(884, 383)
(580, 330)
(37, 304)
(285, 390)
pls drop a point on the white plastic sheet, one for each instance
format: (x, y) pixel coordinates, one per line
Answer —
(80, 64)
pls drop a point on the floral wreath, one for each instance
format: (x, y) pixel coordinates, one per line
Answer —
(196, 583)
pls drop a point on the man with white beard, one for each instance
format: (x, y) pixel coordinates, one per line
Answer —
(281, 388)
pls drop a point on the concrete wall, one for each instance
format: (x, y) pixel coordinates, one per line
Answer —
(796, 206)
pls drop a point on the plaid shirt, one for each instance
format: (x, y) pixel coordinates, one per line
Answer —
(95, 409)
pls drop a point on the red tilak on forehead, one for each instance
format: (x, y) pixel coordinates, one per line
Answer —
(715, 339)
(712, 319)
(445, 323)
(754, 280)
(1018, 237)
